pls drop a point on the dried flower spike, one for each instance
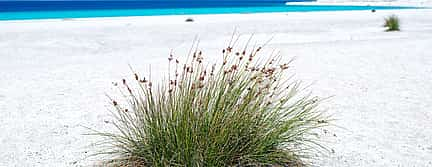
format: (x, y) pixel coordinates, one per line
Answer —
(259, 48)
(143, 80)
(284, 66)
(229, 49)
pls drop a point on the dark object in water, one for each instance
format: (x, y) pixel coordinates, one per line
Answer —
(189, 20)
(373, 10)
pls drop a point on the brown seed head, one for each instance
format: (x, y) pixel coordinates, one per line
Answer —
(259, 48)
(234, 67)
(143, 80)
(229, 49)
(284, 66)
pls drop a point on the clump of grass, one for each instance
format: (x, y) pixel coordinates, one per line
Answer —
(189, 20)
(240, 112)
(392, 23)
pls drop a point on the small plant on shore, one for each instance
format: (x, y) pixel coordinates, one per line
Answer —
(239, 112)
(392, 23)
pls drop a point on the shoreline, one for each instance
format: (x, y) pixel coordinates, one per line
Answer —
(415, 3)
(323, 3)
(185, 16)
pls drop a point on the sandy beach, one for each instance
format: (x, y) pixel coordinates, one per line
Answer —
(55, 74)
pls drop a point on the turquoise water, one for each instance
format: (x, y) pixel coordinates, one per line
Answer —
(25, 15)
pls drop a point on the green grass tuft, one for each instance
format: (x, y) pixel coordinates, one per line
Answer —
(392, 23)
(241, 112)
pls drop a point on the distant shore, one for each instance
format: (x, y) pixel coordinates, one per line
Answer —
(417, 3)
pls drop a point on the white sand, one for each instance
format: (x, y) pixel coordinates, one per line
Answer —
(55, 73)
